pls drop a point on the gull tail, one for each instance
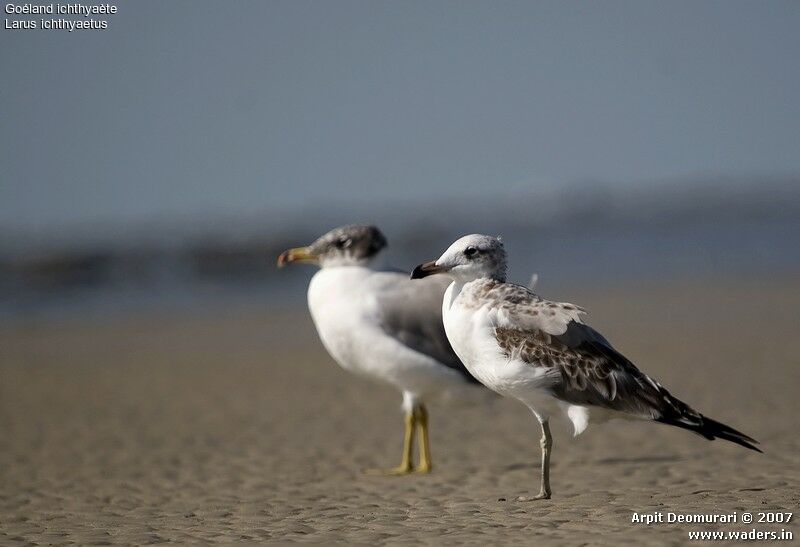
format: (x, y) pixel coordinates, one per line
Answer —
(712, 429)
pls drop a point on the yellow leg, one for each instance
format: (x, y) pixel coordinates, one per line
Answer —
(406, 465)
(425, 464)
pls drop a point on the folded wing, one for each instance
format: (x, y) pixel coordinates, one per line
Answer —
(411, 312)
(586, 370)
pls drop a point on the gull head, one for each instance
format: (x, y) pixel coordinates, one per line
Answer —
(352, 245)
(471, 257)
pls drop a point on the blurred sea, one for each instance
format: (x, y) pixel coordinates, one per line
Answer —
(722, 232)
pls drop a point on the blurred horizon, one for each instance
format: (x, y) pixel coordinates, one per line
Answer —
(721, 229)
(691, 199)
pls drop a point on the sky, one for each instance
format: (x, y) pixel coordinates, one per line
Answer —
(188, 108)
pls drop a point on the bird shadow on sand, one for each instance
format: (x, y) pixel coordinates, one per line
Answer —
(641, 459)
(604, 461)
(518, 466)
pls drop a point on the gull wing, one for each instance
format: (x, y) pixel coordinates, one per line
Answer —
(586, 369)
(517, 307)
(411, 312)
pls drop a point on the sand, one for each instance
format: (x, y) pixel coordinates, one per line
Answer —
(234, 426)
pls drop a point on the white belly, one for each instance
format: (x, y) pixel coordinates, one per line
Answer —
(471, 334)
(348, 320)
(338, 313)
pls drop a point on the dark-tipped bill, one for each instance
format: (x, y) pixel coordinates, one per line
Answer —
(429, 268)
(298, 254)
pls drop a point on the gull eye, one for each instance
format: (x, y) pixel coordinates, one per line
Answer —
(343, 243)
(469, 252)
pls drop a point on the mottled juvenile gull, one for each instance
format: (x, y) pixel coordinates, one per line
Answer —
(542, 353)
(379, 324)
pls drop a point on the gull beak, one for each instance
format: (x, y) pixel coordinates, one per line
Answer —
(303, 255)
(429, 268)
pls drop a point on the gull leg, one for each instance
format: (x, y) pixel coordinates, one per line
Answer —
(546, 444)
(406, 466)
(425, 464)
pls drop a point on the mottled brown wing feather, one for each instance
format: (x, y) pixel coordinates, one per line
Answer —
(585, 369)
(588, 371)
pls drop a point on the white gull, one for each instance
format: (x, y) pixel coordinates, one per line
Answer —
(542, 354)
(379, 324)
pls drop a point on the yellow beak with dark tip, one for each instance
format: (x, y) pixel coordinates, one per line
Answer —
(303, 255)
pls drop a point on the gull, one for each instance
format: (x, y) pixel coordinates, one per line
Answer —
(379, 324)
(542, 354)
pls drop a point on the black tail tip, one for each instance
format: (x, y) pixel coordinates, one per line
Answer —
(749, 444)
(712, 429)
(721, 431)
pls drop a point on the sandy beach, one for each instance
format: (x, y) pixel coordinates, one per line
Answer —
(234, 425)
